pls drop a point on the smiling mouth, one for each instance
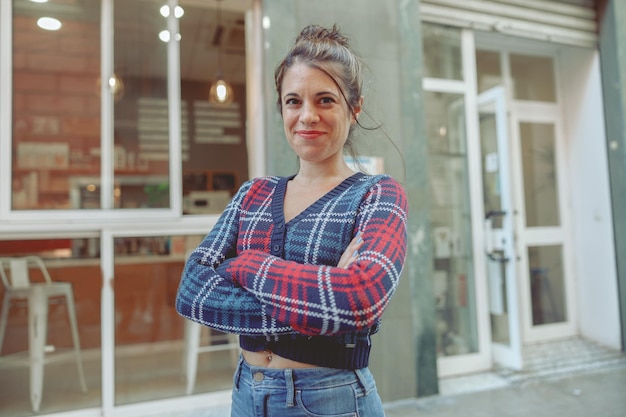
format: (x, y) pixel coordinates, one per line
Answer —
(309, 134)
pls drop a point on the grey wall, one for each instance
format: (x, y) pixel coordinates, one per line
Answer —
(612, 15)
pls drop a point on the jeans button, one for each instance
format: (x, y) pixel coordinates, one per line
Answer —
(258, 376)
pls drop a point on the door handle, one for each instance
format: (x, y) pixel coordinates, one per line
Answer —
(494, 213)
(489, 249)
(498, 258)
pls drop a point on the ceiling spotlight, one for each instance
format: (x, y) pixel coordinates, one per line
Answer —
(178, 11)
(165, 36)
(49, 23)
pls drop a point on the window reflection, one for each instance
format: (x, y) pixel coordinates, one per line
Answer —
(153, 344)
(56, 109)
(442, 52)
(541, 191)
(547, 286)
(453, 278)
(215, 156)
(141, 119)
(533, 78)
(488, 72)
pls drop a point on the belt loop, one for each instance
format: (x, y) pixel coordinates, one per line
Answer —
(238, 373)
(362, 380)
(291, 389)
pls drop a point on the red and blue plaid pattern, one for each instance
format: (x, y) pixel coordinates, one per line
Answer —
(256, 275)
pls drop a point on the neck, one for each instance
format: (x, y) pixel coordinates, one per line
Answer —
(311, 174)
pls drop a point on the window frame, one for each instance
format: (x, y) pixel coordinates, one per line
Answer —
(106, 211)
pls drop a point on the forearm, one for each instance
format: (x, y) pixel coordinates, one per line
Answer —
(206, 297)
(325, 300)
(206, 292)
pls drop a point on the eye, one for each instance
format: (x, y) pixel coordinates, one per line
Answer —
(327, 100)
(290, 101)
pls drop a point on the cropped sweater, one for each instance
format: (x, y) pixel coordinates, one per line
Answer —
(277, 283)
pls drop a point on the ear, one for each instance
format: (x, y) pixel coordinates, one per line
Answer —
(357, 110)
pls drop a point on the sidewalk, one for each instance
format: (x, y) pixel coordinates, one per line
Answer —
(573, 378)
(597, 392)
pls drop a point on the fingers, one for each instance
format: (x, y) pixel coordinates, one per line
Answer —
(351, 252)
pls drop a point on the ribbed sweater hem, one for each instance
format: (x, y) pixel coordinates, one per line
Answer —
(320, 351)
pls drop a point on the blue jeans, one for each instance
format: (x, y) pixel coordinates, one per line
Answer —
(313, 392)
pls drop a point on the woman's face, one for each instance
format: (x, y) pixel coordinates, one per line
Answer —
(316, 117)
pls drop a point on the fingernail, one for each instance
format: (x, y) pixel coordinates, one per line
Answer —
(359, 240)
(355, 254)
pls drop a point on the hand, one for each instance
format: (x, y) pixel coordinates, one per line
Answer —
(352, 251)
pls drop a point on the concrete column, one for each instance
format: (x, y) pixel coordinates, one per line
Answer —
(419, 263)
(612, 33)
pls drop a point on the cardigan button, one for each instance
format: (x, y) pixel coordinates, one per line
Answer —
(276, 248)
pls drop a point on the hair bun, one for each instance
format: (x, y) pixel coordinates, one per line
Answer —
(320, 34)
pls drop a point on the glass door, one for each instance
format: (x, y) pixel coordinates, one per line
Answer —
(538, 145)
(545, 277)
(498, 229)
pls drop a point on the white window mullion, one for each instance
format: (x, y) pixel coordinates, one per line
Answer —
(106, 112)
(107, 302)
(254, 91)
(174, 103)
(6, 118)
(443, 86)
(107, 320)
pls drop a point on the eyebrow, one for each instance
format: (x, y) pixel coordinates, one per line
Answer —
(321, 93)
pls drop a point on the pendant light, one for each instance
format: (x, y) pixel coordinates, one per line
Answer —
(221, 92)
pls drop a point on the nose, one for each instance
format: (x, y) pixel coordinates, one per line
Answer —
(309, 114)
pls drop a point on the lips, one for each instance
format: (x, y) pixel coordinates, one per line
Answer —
(309, 134)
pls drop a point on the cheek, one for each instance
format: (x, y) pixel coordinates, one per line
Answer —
(288, 123)
(291, 117)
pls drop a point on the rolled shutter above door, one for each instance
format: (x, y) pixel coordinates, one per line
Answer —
(570, 22)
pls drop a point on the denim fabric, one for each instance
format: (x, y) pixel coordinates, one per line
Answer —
(311, 392)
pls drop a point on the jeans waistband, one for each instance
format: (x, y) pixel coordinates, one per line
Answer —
(302, 378)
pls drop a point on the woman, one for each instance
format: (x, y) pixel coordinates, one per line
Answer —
(302, 267)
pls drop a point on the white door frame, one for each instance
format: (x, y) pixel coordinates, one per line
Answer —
(525, 111)
(539, 236)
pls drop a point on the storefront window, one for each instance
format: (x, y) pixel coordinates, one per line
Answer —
(442, 52)
(488, 71)
(56, 108)
(453, 278)
(214, 151)
(533, 78)
(59, 323)
(140, 95)
(154, 346)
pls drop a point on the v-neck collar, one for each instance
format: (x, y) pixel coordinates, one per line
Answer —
(278, 201)
(278, 212)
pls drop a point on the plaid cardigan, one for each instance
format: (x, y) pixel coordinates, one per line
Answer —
(276, 283)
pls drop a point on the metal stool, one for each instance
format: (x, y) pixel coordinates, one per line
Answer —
(193, 348)
(17, 285)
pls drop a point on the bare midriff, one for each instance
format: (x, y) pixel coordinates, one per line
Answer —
(268, 359)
